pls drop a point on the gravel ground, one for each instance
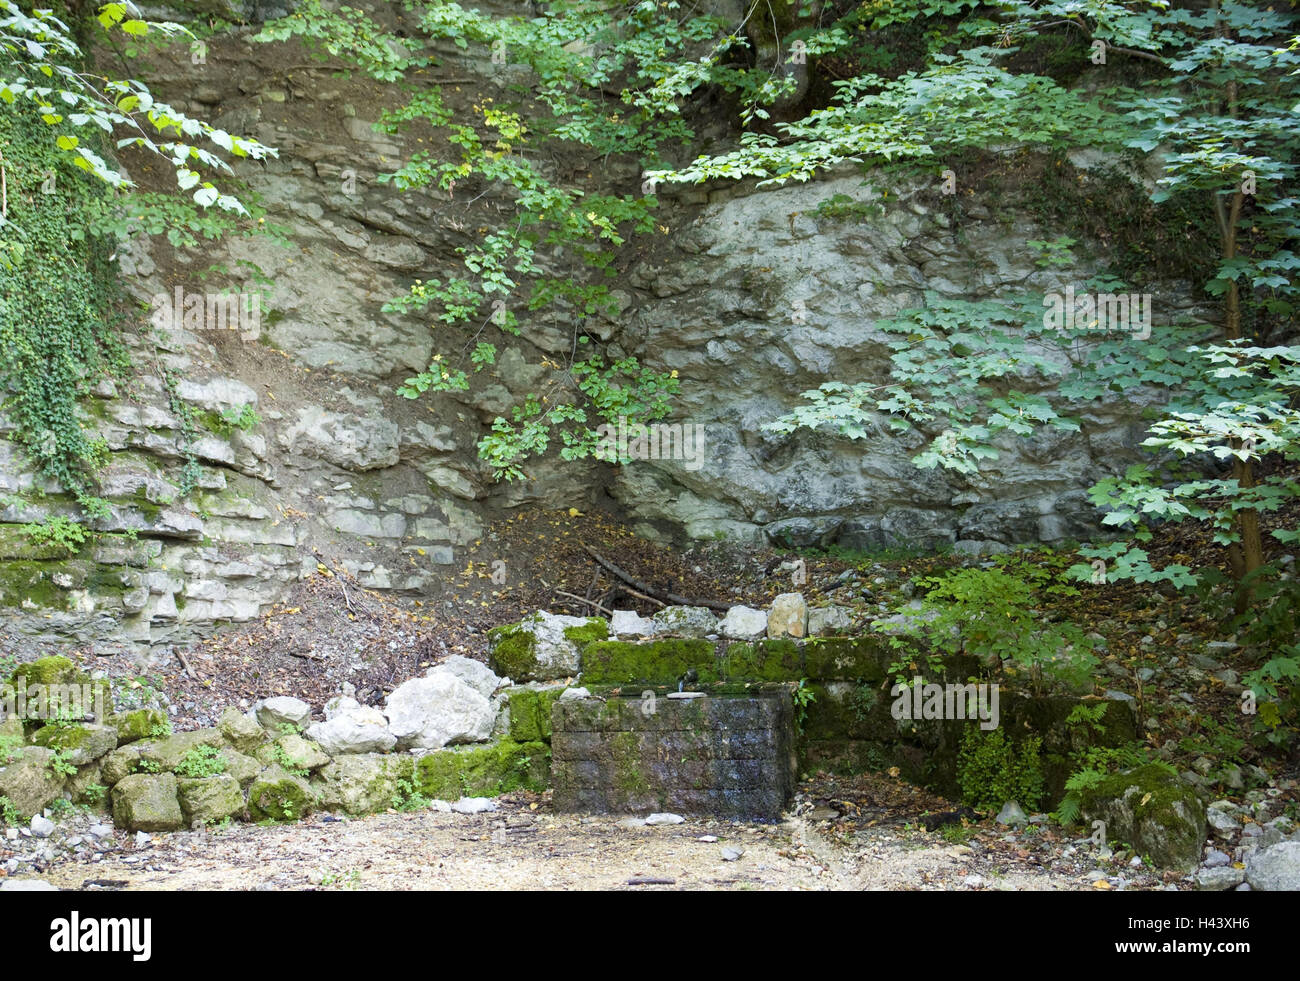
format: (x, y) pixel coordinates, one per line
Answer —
(523, 845)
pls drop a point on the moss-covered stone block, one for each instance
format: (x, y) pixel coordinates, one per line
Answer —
(763, 660)
(513, 651)
(530, 714)
(276, 795)
(483, 771)
(1151, 809)
(364, 783)
(139, 724)
(156, 755)
(240, 730)
(56, 670)
(208, 800)
(616, 662)
(292, 752)
(847, 659)
(77, 744)
(29, 781)
(147, 802)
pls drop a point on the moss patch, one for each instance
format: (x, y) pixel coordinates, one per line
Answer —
(513, 651)
(763, 660)
(595, 629)
(484, 771)
(530, 714)
(847, 659)
(659, 662)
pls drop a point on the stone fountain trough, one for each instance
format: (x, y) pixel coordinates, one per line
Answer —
(729, 755)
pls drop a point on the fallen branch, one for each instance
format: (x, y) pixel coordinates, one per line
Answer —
(185, 664)
(651, 882)
(581, 599)
(663, 597)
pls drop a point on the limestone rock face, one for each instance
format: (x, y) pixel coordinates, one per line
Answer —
(757, 295)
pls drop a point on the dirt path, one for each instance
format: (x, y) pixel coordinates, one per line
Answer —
(518, 847)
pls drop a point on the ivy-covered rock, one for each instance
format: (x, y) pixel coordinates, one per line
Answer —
(78, 744)
(277, 795)
(364, 783)
(29, 782)
(147, 802)
(1151, 809)
(207, 800)
(241, 730)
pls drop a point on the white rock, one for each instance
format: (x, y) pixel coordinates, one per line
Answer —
(42, 827)
(363, 730)
(629, 623)
(1275, 868)
(474, 673)
(829, 621)
(569, 694)
(474, 805)
(282, 710)
(664, 818)
(340, 705)
(438, 710)
(685, 621)
(27, 885)
(788, 617)
(744, 623)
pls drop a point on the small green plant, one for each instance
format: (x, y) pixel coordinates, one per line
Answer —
(8, 813)
(201, 761)
(60, 807)
(95, 793)
(287, 763)
(1094, 765)
(991, 770)
(803, 696)
(408, 797)
(244, 418)
(60, 765)
(57, 531)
